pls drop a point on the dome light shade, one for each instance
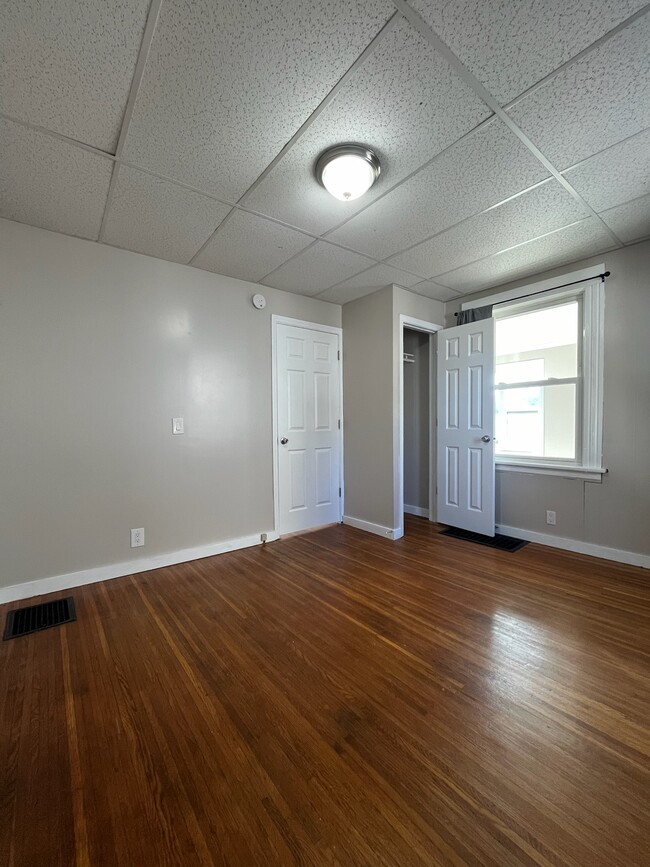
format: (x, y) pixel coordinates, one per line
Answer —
(347, 171)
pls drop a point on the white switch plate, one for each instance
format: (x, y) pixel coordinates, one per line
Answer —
(137, 538)
(550, 517)
(178, 426)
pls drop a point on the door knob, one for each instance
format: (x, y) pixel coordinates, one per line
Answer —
(284, 441)
(485, 439)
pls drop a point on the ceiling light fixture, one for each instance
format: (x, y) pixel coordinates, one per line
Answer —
(347, 171)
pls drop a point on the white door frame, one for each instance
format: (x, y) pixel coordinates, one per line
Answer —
(311, 326)
(427, 328)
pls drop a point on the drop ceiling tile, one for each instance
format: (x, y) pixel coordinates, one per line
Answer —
(485, 168)
(404, 102)
(595, 102)
(248, 247)
(227, 84)
(616, 175)
(317, 268)
(512, 44)
(158, 218)
(540, 210)
(567, 245)
(382, 275)
(433, 290)
(376, 277)
(630, 221)
(48, 183)
(344, 294)
(68, 66)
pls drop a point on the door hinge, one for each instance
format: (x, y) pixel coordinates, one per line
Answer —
(339, 424)
(338, 354)
(339, 492)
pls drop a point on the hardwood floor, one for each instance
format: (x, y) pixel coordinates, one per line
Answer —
(336, 699)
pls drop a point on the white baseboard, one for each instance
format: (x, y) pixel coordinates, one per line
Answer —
(130, 567)
(620, 556)
(387, 532)
(416, 510)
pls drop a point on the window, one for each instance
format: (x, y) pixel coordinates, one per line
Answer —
(548, 381)
(537, 398)
(519, 411)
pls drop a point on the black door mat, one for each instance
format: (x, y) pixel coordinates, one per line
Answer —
(502, 543)
(23, 621)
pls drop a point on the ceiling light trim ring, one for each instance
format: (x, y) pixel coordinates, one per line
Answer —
(367, 157)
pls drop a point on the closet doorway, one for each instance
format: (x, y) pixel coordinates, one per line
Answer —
(417, 446)
(417, 470)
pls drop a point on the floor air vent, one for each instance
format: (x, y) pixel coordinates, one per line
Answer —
(502, 543)
(22, 621)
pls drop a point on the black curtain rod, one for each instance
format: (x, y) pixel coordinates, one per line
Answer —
(553, 288)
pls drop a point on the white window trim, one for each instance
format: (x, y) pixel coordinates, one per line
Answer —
(587, 474)
(592, 294)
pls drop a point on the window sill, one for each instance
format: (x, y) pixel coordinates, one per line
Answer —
(587, 474)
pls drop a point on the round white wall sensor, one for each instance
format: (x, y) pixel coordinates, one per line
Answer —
(259, 301)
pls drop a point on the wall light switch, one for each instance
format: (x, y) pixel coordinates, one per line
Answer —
(178, 426)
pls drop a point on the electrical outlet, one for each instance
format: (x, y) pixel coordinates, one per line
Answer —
(263, 538)
(550, 517)
(137, 538)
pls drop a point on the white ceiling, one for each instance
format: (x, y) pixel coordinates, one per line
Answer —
(514, 136)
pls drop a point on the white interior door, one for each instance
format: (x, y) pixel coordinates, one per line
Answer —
(308, 428)
(465, 426)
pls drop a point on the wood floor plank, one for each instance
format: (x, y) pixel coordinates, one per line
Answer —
(336, 699)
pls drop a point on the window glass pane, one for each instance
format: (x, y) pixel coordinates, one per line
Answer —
(536, 422)
(520, 371)
(547, 337)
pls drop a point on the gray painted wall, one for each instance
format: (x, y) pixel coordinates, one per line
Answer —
(416, 420)
(368, 407)
(616, 512)
(372, 403)
(99, 349)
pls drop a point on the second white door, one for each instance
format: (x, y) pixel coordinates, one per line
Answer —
(465, 426)
(308, 427)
